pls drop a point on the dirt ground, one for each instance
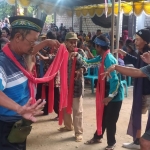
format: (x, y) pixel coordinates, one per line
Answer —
(45, 135)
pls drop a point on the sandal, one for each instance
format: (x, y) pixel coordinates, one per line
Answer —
(93, 141)
(110, 147)
(78, 138)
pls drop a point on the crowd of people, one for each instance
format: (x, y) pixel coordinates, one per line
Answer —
(26, 50)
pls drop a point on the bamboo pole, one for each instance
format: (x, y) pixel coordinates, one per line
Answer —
(118, 27)
(112, 25)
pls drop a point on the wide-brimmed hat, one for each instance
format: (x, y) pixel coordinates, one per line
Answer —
(71, 36)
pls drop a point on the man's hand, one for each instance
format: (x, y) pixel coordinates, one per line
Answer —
(87, 49)
(107, 100)
(79, 73)
(107, 73)
(73, 54)
(54, 44)
(120, 51)
(29, 111)
(146, 57)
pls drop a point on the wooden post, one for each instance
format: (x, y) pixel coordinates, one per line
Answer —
(55, 17)
(118, 27)
(112, 25)
(16, 7)
(72, 19)
(25, 11)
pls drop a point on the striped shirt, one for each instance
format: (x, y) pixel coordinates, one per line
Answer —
(14, 84)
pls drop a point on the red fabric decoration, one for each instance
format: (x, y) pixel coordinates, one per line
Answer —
(59, 63)
(71, 86)
(100, 95)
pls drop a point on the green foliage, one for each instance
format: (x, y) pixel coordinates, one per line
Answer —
(49, 19)
(6, 10)
(31, 10)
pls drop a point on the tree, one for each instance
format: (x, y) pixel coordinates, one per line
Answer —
(6, 10)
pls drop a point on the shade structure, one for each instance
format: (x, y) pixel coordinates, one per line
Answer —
(126, 7)
(85, 7)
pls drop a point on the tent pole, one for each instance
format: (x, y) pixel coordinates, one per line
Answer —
(55, 17)
(112, 25)
(118, 27)
(16, 7)
(72, 19)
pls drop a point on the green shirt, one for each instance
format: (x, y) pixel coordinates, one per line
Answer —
(116, 88)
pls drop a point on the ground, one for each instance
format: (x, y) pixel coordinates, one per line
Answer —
(45, 135)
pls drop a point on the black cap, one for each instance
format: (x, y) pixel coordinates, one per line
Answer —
(144, 34)
(24, 22)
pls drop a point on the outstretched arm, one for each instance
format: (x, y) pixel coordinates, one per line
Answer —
(88, 63)
(50, 43)
(27, 111)
(129, 71)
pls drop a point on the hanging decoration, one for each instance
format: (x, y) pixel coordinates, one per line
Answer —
(91, 10)
(126, 7)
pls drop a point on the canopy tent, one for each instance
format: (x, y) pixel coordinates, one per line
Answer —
(67, 3)
(85, 7)
(126, 7)
(61, 6)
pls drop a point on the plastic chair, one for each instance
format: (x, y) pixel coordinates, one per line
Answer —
(93, 77)
(124, 82)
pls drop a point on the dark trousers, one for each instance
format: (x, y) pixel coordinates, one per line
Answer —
(110, 118)
(39, 91)
(5, 128)
(56, 100)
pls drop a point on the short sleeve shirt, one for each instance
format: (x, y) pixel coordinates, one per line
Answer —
(13, 83)
(146, 70)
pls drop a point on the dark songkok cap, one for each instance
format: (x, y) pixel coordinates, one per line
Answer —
(144, 34)
(24, 22)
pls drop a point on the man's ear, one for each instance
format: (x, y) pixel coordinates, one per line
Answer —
(18, 37)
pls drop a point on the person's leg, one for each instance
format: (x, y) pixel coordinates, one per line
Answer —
(56, 100)
(39, 91)
(68, 124)
(45, 109)
(5, 128)
(78, 117)
(136, 143)
(113, 109)
(97, 138)
(145, 141)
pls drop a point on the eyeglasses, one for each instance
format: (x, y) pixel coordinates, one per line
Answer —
(31, 43)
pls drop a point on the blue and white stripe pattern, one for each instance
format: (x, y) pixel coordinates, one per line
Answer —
(13, 83)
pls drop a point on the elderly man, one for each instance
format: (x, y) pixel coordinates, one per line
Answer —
(141, 91)
(133, 72)
(14, 90)
(77, 87)
(109, 92)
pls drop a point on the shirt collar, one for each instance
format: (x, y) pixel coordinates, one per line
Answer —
(18, 57)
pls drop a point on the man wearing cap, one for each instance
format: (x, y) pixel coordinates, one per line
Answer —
(78, 88)
(137, 73)
(112, 94)
(141, 93)
(14, 89)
